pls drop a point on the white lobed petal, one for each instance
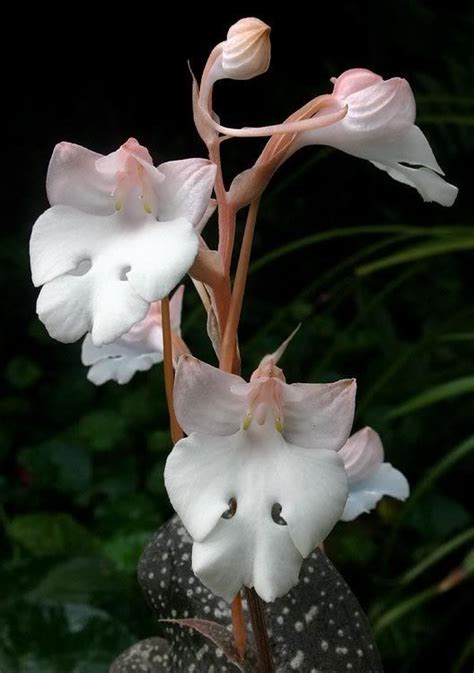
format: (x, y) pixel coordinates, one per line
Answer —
(101, 273)
(364, 495)
(428, 184)
(137, 350)
(260, 470)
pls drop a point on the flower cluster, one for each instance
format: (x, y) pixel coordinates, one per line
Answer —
(267, 468)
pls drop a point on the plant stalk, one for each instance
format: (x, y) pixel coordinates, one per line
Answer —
(176, 431)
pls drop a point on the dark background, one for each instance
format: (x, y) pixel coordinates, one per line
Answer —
(81, 487)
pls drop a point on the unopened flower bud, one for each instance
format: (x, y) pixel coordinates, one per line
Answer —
(246, 52)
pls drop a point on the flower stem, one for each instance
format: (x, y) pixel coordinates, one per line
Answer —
(176, 432)
(229, 340)
(238, 626)
(264, 655)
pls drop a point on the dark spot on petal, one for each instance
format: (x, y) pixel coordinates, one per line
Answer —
(229, 513)
(276, 515)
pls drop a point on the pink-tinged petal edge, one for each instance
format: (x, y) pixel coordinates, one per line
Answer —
(319, 415)
(204, 401)
(362, 454)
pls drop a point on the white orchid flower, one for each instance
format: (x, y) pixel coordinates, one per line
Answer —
(120, 234)
(380, 126)
(258, 483)
(136, 350)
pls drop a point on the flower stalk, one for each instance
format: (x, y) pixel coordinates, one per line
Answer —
(176, 431)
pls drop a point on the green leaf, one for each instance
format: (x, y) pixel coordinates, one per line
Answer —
(124, 550)
(437, 516)
(155, 482)
(22, 373)
(78, 580)
(435, 394)
(101, 430)
(159, 442)
(57, 465)
(45, 534)
(59, 638)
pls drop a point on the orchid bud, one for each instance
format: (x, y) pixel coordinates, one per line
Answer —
(246, 52)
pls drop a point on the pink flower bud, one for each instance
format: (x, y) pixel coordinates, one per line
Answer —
(246, 52)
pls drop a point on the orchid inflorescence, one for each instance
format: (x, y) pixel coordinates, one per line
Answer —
(266, 468)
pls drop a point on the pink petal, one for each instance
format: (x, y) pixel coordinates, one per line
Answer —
(362, 454)
(74, 181)
(319, 415)
(186, 189)
(204, 401)
(354, 80)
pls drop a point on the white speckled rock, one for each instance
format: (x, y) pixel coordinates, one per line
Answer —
(318, 627)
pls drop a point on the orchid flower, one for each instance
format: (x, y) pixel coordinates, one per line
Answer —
(258, 483)
(380, 126)
(369, 477)
(137, 350)
(119, 235)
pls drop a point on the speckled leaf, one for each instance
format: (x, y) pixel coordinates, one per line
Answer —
(221, 636)
(147, 656)
(318, 627)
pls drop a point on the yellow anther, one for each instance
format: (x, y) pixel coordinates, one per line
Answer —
(247, 422)
(119, 203)
(147, 207)
(278, 424)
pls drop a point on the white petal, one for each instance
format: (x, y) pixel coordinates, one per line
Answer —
(70, 306)
(261, 471)
(73, 180)
(203, 398)
(223, 562)
(120, 360)
(428, 184)
(102, 272)
(364, 495)
(319, 415)
(186, 190)
(162, 253)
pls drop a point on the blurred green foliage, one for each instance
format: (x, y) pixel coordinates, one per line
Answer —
(383, 286)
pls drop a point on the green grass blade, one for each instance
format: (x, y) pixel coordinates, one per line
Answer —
(444, 391)
(403, 608)
(439, 553)
(438, 470)
(422, 251)
(347, 232)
